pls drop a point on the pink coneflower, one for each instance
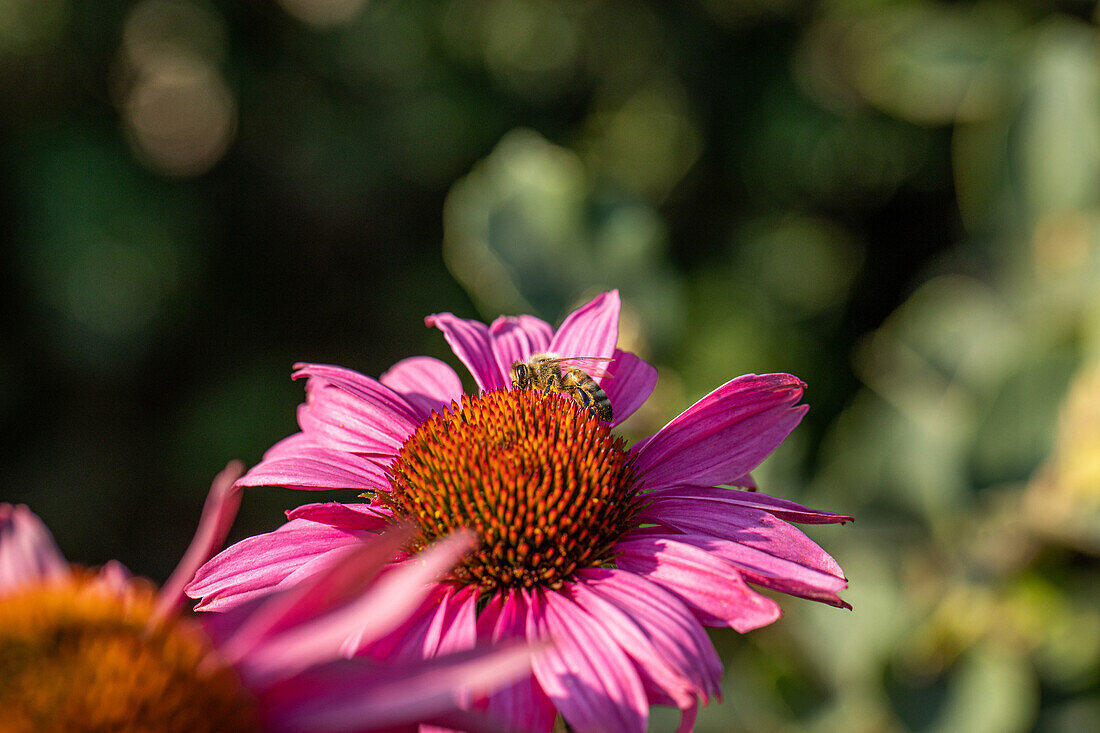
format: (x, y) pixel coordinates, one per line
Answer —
(620, 555)
(103, 652)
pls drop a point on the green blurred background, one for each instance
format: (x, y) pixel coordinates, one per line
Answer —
(897, 201)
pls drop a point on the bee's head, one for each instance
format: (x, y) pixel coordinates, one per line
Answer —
(521, 375)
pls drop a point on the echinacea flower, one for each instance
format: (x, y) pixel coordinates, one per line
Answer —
(619, 555)
(103, 652)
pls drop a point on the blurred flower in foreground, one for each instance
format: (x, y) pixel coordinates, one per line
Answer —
(618, 555)
(103, 651)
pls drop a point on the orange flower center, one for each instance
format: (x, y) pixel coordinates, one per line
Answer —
(545, 485)
(78, 657)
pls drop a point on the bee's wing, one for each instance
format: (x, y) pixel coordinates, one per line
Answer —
(593, 366)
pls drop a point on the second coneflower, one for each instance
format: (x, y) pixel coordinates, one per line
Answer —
(620, 555)
(104, 652)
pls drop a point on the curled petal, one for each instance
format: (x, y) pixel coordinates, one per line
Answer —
(750, 527)
(724, 435)
(374, 517)
(28, 552)
(591, 330)
(473, 345)
(426, 383)
(589, 678)
(718, 497)
(712, 588)
(767, 550)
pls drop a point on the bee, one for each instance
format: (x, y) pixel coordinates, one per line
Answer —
(552, 373)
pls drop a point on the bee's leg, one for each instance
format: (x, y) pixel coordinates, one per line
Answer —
(584, 399)
(553, 384)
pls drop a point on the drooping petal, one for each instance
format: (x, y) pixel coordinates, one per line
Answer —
(257, 564)
(767, 550)
(787, 510)
(516, 338)
(711, 587)
(628, 632)
(426, 383)
(348, 695)
(473, 345)
(373, 613)
(218, 513)
(632, 381)
(299, 463)
(374, 517)
(522, 705)
(669, 624)
(590, 679)
(724, 435)
(28, 552)
(591, 330)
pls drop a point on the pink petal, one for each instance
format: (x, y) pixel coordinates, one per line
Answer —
(631, 382)
(473, 345)
(367, 617)
(712, 588)
(406, 640)
(771, 570)
(588, 676)
(746, 482)
(523, 705)
(428, 384)
(349, 570)
(28, 552)
(114, 577)
(724, 435)
(350, 695)
(750, 527)
(334, 418)
(766, 549)
(591, 330)
(454, 628)
(719, 497)
(218, 513)
(374, 517)
(444, 622)
(306, 465)
(633, 636)
(516, 338)
(257, 564)
(366, 388)
(670, 625)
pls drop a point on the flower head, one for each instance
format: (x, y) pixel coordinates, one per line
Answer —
(103, 651)
(618, 554)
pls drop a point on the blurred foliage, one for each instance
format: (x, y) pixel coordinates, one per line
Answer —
(897, 200)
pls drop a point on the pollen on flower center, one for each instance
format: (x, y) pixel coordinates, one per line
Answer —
(76, 656)
(545, 485)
